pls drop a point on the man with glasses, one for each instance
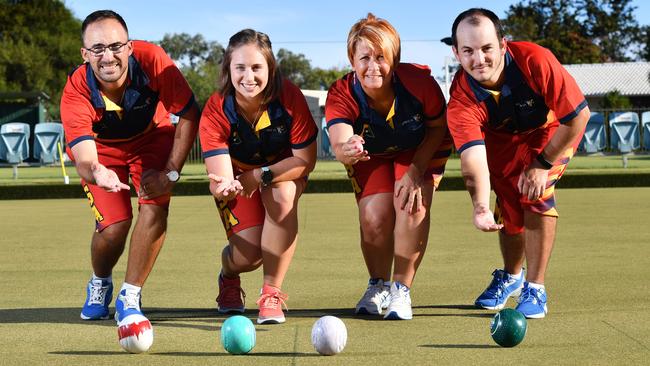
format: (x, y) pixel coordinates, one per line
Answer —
(115, 110)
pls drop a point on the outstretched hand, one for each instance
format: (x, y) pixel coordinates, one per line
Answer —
(107, 179)
(353, 151)
(225, 189)
(484, 220)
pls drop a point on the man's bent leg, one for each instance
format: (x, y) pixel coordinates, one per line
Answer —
(107, 246)
(146, 240)
(539, 238)
(512, 251)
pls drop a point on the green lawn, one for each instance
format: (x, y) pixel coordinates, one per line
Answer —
(597, 283)
(328, 169)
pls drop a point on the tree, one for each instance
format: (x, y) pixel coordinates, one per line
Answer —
(614, 100)
(582, 31)
(643, 40)
(198, 60)
(297, 68)
(294, 67)
(321, 79)
(39, 46)
(612, 26)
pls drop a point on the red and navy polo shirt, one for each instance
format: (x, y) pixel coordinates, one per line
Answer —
(155, 89)
(537, 92)
(288, 124)
(418, 102)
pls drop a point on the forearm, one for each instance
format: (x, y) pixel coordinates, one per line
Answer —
(476, 175)
(84, 169)
(565, 136)
(184, 138)
(339, 135)
(85, 157)
(424, 153)
(297, 166)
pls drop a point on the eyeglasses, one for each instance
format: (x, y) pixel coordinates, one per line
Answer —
(100, 49)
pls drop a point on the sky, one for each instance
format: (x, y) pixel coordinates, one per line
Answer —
(316, 29)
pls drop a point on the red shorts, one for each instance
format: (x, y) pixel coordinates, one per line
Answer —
(507, 156)
(241, 213)
(379, 174)
(129, 158)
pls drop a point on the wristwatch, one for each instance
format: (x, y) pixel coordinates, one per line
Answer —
(267, 176)
(173, 176)
(541, 159)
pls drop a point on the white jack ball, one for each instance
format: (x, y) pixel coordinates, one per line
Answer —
(329, 335)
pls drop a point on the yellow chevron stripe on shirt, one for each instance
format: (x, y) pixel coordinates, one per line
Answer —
(391, 114)
(262, 123)
(110, 106)
(496, 94)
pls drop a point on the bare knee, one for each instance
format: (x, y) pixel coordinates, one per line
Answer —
(152, 215)
(114, 234)
(280, 202)
(240, 260)
(376, 226)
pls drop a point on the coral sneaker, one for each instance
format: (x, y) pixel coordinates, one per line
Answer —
(270, 304)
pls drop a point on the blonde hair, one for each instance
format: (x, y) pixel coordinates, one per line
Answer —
(379, 34)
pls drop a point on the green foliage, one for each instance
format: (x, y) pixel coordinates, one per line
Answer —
(199, 61)
(297, 68)
(39, 46)
(614, 100)
(582, 31)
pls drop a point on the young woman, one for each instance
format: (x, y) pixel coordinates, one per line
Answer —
(258, 139)
(387, 125)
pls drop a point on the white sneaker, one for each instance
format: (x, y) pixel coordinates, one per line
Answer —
(400, 303)
(376, 298)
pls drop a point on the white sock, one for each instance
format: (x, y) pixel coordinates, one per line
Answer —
(536, 286)
(109, 278)
(128, 286)
(516, 276)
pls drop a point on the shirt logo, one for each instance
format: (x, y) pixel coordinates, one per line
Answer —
(525, 104)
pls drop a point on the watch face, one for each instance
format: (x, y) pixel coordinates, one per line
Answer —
(267, 176)
(173, 176)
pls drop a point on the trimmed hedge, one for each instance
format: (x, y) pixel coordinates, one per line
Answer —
(200, 187)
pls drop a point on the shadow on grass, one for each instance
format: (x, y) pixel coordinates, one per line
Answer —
(186, 354)
(459, 346)
(165, 316)
(88, 353)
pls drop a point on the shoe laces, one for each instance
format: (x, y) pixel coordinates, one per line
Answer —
(399, 295)
(131, 300)
(97, 293)
(499, 282)
(375, 293)
(530, 294)
(231, 294)
(273, 300)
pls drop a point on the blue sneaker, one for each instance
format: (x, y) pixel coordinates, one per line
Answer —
(127, 303)
(503, 286)
(99, 294)
(532, 302)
